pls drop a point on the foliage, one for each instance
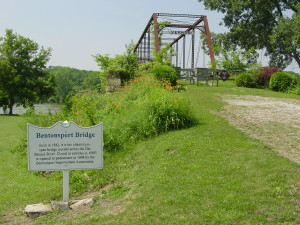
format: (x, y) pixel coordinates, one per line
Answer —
(262, 24)
(230, 57)
(295, 90)
(237, 59)
(145, 67)
(82, 107)
(165, 73)
(166, 112)
(142, 109)
(23, 79)
(245, 80)
(263, 78)
(165, 52)
(282, 81)
(121, 66)
(72, 80)
(255, 69)
(297, 75)
(164, 56)
(190, 163)
(285, 38)
(130, 115)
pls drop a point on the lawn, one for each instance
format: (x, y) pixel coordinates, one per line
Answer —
(19, 187)
(211, 173)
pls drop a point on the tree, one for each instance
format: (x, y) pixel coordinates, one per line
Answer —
(228, 56)
(23, 79)
(121, 66)
(69, 79)
(286, 35)
(259, 24)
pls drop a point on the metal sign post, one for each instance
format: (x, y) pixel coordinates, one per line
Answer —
(66, 178)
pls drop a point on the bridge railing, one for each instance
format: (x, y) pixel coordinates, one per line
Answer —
(196, 75)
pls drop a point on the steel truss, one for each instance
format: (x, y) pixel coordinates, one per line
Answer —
(173, 29)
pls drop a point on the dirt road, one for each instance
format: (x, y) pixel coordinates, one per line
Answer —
(275, 121)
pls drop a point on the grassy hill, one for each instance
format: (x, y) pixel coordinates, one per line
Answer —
(211, 173)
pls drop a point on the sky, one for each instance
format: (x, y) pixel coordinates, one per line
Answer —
(78, 29)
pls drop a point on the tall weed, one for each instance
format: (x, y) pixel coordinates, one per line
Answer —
(144, 108)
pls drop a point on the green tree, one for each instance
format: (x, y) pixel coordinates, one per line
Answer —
(286, 36)
(23, 79)
(263, 24)
(72, 80)
(121, 66)
(228, 56)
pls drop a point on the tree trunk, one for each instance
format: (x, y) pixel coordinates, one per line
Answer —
(297, 58)
(10, 106)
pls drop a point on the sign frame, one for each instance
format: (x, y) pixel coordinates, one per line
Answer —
(64, 146)
(64, 130)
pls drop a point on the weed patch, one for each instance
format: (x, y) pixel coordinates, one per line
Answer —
(140, 110)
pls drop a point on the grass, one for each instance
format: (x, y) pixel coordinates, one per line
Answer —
(208, 174)
(19, 187)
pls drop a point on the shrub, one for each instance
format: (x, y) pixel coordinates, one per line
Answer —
(123, 67)
(295, 90)
(245, 80)
(82, 107)
(297, 75)
(165, 73)
(282, 81)
(145, 67)
(142, 109)
(146, 109)
(168, 112)
(263, 79)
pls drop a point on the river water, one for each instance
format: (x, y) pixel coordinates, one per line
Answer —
(39, 108)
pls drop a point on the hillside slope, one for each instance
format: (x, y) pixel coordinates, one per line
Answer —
(211, 173)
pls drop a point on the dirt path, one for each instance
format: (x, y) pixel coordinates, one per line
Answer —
(274, 121)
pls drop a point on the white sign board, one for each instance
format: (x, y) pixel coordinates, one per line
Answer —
(65, 146)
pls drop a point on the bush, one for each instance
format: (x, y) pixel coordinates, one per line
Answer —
(282, 81)
(142, 109)
(263, 78)
(245, 80)
(145, 67)
(295, 91)
(82, 108)
(167, 112)
(165, 73)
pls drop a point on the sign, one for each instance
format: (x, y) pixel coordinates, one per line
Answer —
(65, 146)
(224, 75)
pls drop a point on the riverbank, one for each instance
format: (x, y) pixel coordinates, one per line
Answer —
(39, 108)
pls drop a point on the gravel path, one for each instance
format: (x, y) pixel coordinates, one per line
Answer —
(275, 121)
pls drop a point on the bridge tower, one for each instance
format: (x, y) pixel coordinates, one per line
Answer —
(177, 31)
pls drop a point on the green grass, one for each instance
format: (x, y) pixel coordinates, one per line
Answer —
(19, 187)
(208, 174)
